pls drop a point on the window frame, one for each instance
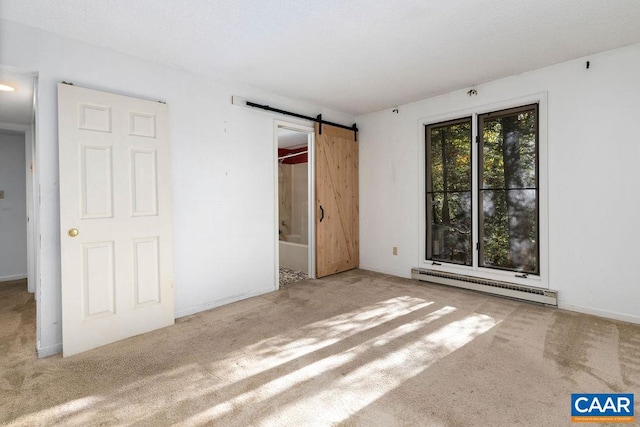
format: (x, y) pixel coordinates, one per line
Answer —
(542, 279)
(480, 146)
(460, 120)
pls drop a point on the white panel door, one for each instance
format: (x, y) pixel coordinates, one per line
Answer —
(115, 217)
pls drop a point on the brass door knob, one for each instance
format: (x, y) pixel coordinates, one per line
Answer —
(73, 232)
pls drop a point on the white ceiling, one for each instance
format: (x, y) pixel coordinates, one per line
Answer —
(354, 56)
(16, 107)
(288, 138)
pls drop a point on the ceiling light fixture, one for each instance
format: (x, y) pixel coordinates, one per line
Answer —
(7, 88)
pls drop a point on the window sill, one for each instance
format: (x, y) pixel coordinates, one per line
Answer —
(486, 273)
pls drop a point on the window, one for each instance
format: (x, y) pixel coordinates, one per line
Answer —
(504, 232)
(449, 191)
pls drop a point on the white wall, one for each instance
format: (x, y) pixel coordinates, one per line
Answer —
(594, 169)
(223, 170)
(13, 208)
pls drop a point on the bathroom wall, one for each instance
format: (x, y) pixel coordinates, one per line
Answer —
(293, 196)
(300, 202)
(284, 199)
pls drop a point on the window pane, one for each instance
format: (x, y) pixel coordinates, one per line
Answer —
(449, 191)
(509, 151)
(508, 205)
(510, 230)
(451, 156)
(450, 238)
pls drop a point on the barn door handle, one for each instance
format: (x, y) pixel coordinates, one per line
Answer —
(322, 213)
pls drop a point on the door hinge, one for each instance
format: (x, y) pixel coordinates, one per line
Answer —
(477, 246)
(477, 138)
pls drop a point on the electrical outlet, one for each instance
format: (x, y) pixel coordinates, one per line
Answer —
(1, 194)
(395, 250)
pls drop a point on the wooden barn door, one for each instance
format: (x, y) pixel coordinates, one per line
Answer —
(336, 156)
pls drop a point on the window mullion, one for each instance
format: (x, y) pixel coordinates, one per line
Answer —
(428, 193)
(474, 190)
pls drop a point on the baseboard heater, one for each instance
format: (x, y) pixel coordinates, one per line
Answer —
(509, 290)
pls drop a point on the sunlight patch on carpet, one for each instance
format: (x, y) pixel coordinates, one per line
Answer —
(371, 381)
(326, 366)
(62, 412)
(323, 333)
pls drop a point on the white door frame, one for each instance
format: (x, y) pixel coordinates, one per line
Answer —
(309, 130)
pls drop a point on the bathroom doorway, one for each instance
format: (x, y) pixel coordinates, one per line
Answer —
(295, 200)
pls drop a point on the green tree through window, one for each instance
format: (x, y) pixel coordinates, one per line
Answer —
(506, 189)
(508, 193)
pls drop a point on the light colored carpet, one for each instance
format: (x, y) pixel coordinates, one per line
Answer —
(358, 348)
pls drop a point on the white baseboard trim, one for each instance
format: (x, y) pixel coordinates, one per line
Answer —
(571, 307)
(13, 277)
(217, 303)
(49, 350)
(390, 271)
(600, 313)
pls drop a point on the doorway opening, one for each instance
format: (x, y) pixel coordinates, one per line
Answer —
(18, 194)
(295, 250)
(13, 206)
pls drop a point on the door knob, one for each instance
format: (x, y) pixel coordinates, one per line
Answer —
(73, 232)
